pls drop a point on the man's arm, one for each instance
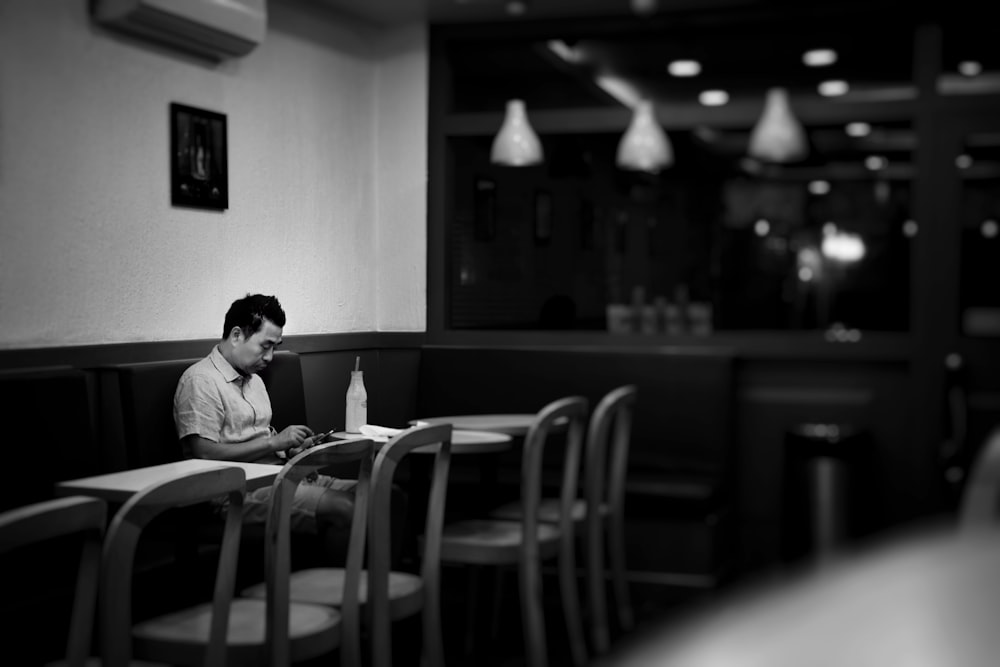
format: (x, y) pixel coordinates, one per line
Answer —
(251, 450)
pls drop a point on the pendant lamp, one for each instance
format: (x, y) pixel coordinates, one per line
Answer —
(516, 144)
(644, 146)
(778, 135)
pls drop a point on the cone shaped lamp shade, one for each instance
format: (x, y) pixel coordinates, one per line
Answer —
(778, 135)
(644, 146)
(516, 144)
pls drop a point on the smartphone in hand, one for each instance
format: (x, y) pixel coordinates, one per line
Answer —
(320, 438)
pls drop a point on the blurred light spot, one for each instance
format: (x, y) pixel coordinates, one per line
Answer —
(969, 68)
(910, 229)
(684, 68)
(989, 229)
(963, 161)
(565, 51)
(882, 192)
(819, 187)
(953, 361)
(713, 98)
(516, 7)
(876, 162)
(761, 227)
(644, 7)
(829, 228)
(805, 274)
(819, 57)
(858, 129)
(833, 88)
(843, 247)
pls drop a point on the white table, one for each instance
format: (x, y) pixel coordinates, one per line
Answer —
(120, 486)
(928, 598)
(515, 424)
(462, 442)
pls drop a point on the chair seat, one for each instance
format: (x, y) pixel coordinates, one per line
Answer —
(325, 586)
(486, 541)
(548, 510)
(180, 637)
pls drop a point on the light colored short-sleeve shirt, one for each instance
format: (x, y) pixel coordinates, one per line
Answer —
(216, 402)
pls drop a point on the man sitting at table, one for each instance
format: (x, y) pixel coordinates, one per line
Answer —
(222, 411)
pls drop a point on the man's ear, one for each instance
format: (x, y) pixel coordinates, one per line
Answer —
(235, 335)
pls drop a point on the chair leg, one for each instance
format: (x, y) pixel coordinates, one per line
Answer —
(532, 615)
(433, 648)
(571, 602)
(596, 590)
(615, 530)
(498, 576)
(470, 613)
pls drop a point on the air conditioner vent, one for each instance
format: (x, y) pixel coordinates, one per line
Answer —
(215, 29)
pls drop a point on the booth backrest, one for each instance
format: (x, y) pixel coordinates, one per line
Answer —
(683, 414)
(47, 413)
(137, 422)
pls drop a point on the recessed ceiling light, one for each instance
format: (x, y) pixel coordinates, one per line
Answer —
(819, 187)
(713, 98)
(819, 57)
(684, 68)
(969, 68)
(858, 129)
(876, 162)
(833, 88)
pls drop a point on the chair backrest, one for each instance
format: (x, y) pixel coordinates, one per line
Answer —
(980, 503)
(50, 519)
(608, 437)
(123, 538)
(277, 554)
(569, 413)
(383, 473)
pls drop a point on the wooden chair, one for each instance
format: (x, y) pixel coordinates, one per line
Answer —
(46, 520)
(527, 541)
(980, 500)
(605, 467)
(387, 595)
(193, 636)
(311, 632)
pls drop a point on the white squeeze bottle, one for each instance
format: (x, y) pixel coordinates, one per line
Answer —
(357, 400)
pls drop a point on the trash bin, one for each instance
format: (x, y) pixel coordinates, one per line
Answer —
(820, 476)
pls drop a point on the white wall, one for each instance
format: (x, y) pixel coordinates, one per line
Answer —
(327, 178)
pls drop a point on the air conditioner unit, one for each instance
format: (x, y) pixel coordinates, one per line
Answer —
(215, 29)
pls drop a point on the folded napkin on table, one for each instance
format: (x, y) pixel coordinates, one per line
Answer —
(383, 433)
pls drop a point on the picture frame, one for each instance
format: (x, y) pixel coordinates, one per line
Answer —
(543, 217)
(199, 172)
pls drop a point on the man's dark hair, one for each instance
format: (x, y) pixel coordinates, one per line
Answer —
(250, 312)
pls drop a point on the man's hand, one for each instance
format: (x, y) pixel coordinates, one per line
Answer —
(291, 436)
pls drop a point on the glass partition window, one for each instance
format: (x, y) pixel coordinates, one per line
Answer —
(978, 167)
(717, 240)
(821, 245)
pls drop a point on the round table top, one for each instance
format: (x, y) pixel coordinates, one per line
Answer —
(510, 424)
(462, 442)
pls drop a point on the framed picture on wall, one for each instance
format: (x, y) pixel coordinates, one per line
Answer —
(199, 174)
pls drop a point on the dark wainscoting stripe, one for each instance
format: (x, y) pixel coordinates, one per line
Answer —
(86, 356)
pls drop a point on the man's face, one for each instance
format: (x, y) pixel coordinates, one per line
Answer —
(251, 355)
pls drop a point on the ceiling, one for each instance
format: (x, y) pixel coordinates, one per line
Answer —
(475, 11)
